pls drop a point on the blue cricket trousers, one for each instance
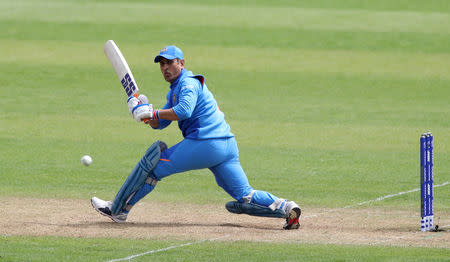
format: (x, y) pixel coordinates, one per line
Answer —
(220, 155)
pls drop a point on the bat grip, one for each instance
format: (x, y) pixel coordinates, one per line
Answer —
(145, 120)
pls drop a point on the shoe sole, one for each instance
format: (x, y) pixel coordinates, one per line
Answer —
(106, 215)
(292, 222)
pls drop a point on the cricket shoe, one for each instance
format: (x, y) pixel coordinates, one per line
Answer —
(292, 220)
(104, 208)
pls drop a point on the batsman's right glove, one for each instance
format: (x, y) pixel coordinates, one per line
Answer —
(139, 108)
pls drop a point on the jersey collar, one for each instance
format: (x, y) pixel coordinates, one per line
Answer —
(175, 83)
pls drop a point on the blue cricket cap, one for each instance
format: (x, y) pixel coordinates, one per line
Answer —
(169, 52)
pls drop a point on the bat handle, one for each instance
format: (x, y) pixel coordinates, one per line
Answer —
(145, 120)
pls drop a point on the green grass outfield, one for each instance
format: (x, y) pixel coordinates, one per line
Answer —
(75, 249)
(325, 98)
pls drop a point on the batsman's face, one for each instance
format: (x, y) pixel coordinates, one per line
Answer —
(171, 69)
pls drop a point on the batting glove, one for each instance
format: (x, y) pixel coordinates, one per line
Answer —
(143, 99)
(139, 110)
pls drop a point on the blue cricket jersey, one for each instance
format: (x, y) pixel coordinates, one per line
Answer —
(197, 110)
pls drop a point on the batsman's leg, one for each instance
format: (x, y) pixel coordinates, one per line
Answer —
(139, 183)
(254, 202)
(231, 177)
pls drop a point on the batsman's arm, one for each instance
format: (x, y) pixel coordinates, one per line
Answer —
(167, 114)
(163, 114)
(183, 110)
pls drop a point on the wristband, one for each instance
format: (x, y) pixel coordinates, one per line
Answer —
(156, 114)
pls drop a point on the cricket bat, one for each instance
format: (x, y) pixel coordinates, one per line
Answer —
(122, 69)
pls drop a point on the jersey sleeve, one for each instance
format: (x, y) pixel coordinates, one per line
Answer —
(187, 99)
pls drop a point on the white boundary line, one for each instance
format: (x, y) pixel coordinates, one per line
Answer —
(164, 249)
(391, 195)
(378, 199)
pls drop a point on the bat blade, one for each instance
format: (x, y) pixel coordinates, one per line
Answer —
(121, 67)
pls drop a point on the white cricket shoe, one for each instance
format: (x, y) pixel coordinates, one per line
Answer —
(104, 208)
(293, 215)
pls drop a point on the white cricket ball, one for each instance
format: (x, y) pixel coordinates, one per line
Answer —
(86, 160)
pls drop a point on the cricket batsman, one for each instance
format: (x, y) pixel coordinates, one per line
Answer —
(208, 143)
